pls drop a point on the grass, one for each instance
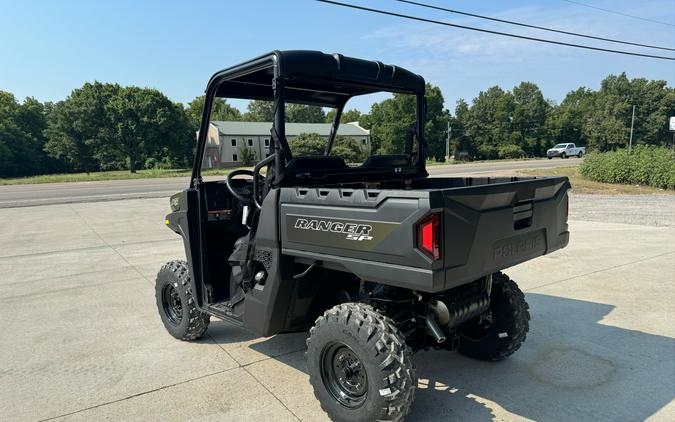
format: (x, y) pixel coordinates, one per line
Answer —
(109, 175)
(583, 185)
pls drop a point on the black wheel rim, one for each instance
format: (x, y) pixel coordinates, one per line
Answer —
(343, 375)
(173, 307)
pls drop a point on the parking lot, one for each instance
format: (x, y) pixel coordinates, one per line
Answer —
(81, 338)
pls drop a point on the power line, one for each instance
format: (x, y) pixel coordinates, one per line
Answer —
(618, 13)
(506, 34)
(559, 31)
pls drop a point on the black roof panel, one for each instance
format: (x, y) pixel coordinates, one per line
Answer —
(314, 77)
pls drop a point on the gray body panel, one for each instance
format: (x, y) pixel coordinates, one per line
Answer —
(388, 258)
(489, 225)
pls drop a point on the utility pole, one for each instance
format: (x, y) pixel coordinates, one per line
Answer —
(632, 121)
(447, 144)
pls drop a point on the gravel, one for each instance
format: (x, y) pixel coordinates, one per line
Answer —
(645, 210)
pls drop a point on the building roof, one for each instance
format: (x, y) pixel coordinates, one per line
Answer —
(292, 129)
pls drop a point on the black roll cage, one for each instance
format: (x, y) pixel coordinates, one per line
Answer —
(312, 78)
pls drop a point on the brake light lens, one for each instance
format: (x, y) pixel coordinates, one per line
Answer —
(567, 207)
(429, 236)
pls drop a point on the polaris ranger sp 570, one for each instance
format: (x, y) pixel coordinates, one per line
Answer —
(376, 259)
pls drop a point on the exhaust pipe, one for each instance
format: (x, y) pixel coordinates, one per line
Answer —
(433, 327)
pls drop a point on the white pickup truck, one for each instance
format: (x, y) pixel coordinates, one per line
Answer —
(566, 150)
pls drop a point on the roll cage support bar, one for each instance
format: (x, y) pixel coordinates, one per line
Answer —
(334, 128)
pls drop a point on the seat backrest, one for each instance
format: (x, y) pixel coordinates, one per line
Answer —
(386, 161)
(315, 162)
(309, 169)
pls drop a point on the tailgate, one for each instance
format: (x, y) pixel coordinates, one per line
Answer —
(493, 226)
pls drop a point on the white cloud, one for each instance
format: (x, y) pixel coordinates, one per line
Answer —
(427, 38)
(463, 62)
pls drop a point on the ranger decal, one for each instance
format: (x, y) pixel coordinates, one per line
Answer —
(358, 232)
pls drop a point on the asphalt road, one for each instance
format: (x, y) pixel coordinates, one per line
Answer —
(64, 193)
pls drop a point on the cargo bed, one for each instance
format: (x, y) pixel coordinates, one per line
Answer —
(487, 224)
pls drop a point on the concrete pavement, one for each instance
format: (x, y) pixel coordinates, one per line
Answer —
(65, 193)
(647, 210)
(81, 338)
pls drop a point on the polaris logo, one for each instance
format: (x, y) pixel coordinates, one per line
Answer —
(353, 231)
(510, 249)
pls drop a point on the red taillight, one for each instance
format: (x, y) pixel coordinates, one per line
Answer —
(429, 236)
(567, 207)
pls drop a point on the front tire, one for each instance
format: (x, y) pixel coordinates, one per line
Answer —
(563, 155)
(176, 306)
(359, 365)
(506, 332)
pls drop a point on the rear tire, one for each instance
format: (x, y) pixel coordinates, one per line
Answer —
(581, 154)
(176, 305)
(509, 327)
(359, 365)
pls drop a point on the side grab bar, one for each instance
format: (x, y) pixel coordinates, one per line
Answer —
(256, 181)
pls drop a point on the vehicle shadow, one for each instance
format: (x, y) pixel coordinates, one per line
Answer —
(572, 367)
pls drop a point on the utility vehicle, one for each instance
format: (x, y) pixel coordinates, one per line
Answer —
(565, 150)
(377, 260)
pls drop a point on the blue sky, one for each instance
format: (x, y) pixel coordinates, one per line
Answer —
(47, 48)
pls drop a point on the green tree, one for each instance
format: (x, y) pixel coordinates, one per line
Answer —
(143, 123)
(75, 125)
(505, 123)
(22, 139)
(566, 121)
(14, 142)
(300, 113)
(307, 144)
(654, 102)
(605, 131)
(220, 110)
(259, 111)
(606, 126)
(436, 128)
(348, 116)
(313, 144)
(106, 126)
(351, 150)
(510, 151)
(488, 123)
(246, 155)
(460, 140)
(390, 119)
(601, 119)
(530, 112)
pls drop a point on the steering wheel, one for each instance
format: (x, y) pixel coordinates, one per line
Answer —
(244, 195)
